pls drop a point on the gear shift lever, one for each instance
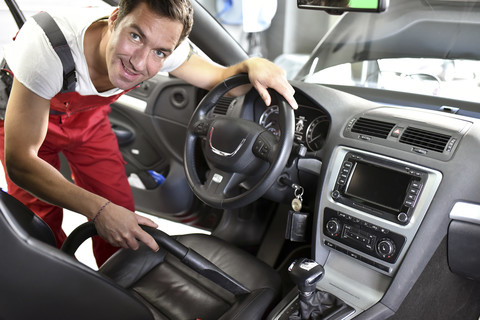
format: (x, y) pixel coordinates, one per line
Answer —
(314, 304)
(305, 273)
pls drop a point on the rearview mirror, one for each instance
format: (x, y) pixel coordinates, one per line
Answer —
(340, 6)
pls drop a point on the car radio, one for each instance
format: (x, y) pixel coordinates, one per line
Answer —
(380, 187)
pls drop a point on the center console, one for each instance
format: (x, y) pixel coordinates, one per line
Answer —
(372, 206)
(370, 209)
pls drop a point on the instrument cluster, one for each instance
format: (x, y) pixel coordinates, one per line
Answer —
(311, 125)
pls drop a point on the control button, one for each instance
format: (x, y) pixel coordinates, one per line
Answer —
(329, 244)
(402, 217)
(384, 231)
(408, 203)
(353, 255)
(262, 147)
(201, 129)
(335, 194)
(333, 227)
(386, 248)
(416, 185)
(411, 197)
(257, 147)
(396, 132)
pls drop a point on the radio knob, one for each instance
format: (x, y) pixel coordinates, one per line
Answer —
(333, 227)
(335, 194)
(386, 247)
(402, 217)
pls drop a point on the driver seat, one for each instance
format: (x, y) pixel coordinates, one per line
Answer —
(40, 281)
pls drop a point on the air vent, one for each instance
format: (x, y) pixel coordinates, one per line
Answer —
(222, 105)
(425, 139)
(372, 127)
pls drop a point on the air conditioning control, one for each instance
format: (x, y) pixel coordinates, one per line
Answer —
(356, 235)
(386, 248)
(333, 227)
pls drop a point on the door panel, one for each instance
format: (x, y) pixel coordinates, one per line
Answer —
(150, 124)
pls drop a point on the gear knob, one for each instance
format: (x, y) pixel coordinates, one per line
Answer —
(305, 273)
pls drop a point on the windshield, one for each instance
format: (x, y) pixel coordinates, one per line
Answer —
(448, 78)
(422, 47)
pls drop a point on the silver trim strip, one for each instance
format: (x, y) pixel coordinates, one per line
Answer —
(464, 211)
(133, 103)
(223, 153)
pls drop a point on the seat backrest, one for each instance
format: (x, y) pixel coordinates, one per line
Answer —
(38, 281)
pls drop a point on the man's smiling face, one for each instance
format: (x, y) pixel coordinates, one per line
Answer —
(138, 45)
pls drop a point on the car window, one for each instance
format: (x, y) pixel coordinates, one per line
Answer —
(456, 79)
(245, 22)
(423, 47)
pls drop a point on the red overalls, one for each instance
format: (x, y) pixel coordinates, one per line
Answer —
(79, 128)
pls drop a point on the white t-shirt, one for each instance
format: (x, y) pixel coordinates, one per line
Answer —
(37, 66)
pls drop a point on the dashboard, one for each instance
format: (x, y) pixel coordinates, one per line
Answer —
(395, 186)
(387, 194)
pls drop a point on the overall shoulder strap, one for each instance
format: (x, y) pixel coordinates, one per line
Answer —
(60, 45)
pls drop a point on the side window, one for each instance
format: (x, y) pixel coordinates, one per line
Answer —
(246, 21)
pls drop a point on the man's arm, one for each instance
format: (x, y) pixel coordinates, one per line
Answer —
(26, 124)
(263, 74)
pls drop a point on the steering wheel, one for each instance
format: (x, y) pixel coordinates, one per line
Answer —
(244, 159)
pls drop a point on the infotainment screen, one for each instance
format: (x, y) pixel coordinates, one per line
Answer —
(381, 186)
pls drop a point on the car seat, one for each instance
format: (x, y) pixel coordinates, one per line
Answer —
(39, 281)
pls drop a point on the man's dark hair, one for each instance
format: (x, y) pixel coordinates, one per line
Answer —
(178, 10)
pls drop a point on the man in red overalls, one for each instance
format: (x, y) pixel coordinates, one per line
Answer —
(139, 39)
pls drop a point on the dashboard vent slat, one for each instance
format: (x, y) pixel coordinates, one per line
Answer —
(425, 139)
(222, 105)
(376, 128)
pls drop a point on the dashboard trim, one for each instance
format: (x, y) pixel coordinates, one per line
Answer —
(408, 231)
(467, 212)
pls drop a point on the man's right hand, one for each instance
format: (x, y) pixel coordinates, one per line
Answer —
(121, 228)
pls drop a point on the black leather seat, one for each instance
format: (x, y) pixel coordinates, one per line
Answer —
(38, 281)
